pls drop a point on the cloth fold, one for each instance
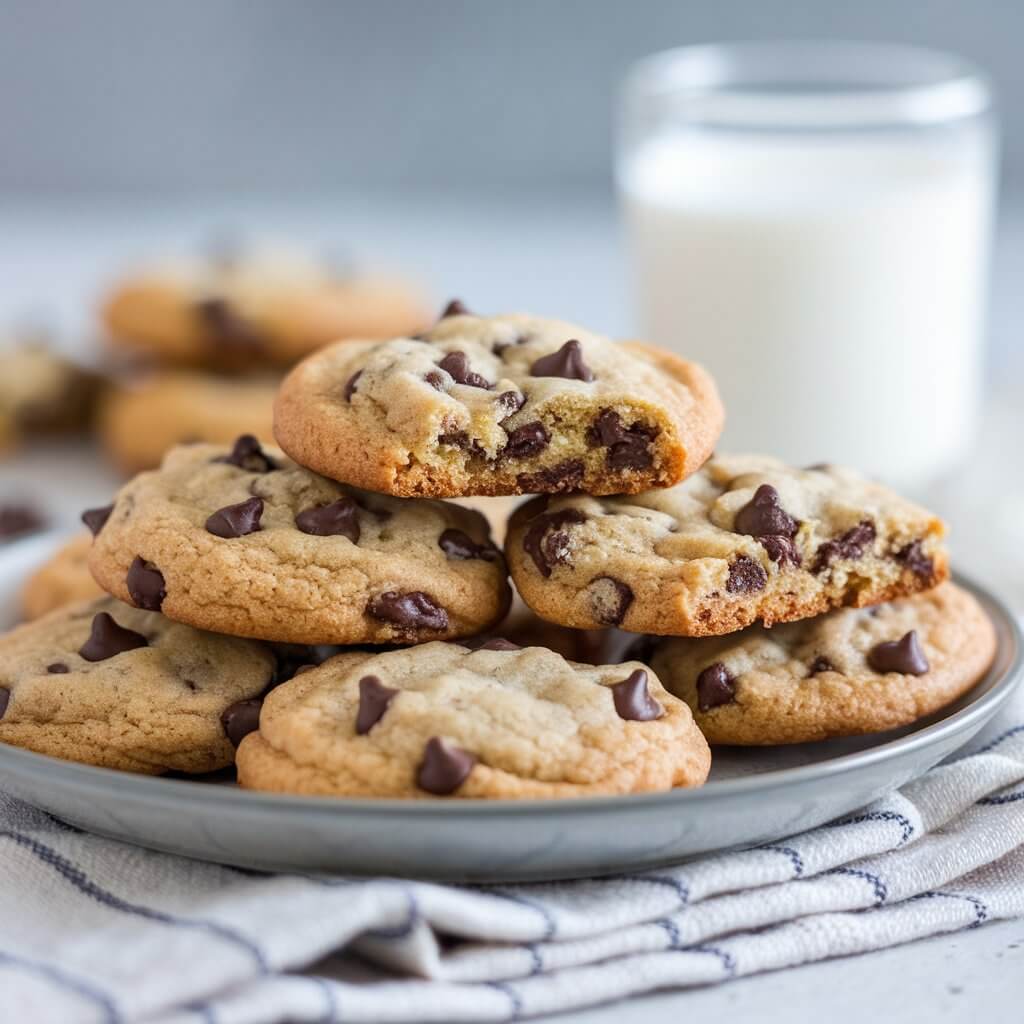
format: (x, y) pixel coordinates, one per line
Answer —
(92, 930)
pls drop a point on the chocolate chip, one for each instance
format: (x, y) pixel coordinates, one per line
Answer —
(633, 701)
(57, 668)
(146, 585)
(821, 664)
(107, 638)
(96, 518)
(444, 767)
(339, 519)
(849, 545)
(609, 599)
(434, 379)
(628, 447)
(236, 520)
(566, 476)
(291, 659)
(746, 575)
(715, 687)
(782, 550)
(240, 719)
(913, 557)
(456, 544)
(226, 328)
(456, 365)
(499, 644)
(460, 439)
(351, 384)
(5, 699)
(454, 308)
(411, 610)
(567, 363)
(374, 698)
(904, 656)
(546, 542)
(818, 467)
(764, 516)
(19, 520)
(509, 403)
(248, 455)
(529, 439)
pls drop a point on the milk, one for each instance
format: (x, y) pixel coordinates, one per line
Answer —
(833, 283)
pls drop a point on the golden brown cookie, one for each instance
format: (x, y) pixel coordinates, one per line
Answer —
(499, 405)
(245, 542)
(745, 539)
(497, 722)
(62, 579)
(849, 672)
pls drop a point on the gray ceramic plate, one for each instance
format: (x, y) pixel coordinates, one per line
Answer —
(753, 796)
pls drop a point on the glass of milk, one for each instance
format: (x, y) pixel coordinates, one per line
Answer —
(812, 222)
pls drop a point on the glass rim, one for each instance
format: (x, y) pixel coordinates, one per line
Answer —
(809, 84)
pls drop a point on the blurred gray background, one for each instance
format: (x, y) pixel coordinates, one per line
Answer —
(266, 96)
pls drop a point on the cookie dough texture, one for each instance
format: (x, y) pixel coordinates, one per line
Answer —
(62, 579)
(149, 710)
(785, 691)
(537, 725)
(140, 420)
(499, 405)
(279, 583)
(262, 305)
(673, 562)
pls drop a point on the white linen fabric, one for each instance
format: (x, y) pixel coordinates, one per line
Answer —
(92, 930)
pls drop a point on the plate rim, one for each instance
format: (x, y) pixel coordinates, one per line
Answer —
(177, 792)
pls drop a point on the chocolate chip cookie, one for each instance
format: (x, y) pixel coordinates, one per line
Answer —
(849, 672)
(745, 539)
(440, 720)
(243, 541)
(140, 420)
(499, 405)
(110, 685)
(245, 306)
(62, 579)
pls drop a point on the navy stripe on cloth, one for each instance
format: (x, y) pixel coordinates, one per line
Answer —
(902, 819)
(1001, 738)
(787, 851)
(550, 924)
(1004, 798)
(680, 888)
(980, 907)
(881, 892)
(67, 982)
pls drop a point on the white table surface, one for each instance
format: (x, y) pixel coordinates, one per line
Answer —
(559, 257)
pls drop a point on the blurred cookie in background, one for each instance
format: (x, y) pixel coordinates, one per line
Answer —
(139, 420)
(239, 306)
(62, 579)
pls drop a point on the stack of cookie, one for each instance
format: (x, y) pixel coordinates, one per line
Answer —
(323, 608)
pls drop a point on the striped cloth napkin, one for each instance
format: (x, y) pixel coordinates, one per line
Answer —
(96, 930)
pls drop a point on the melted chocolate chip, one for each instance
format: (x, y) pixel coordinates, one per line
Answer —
(339, 519)
(633, 701)
(456, 365)
(764, 516)
(107, 638)
(913, 557)
(566, 476)
(57, 668)
(460, 439)
(146, 585)
(715, 687)
(227, 329)
(546, 542)
(248, 455)
(628, 447)
(456, 544)
(434, 379)
(444, 767)
(782, 550)
(509, 403)
(96, 518)
(240, 719)
(236, 520)
(746, 575)
(527, 440)
(374, 698)
(5, 699)
(847, 546)
(351, 384)
(567, 363)
(454, 308)
(821, 664)
(412, 610)
(19, 520)
(609, 599)
(904, 656)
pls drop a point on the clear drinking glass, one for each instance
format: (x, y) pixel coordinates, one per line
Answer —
(812, 221)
